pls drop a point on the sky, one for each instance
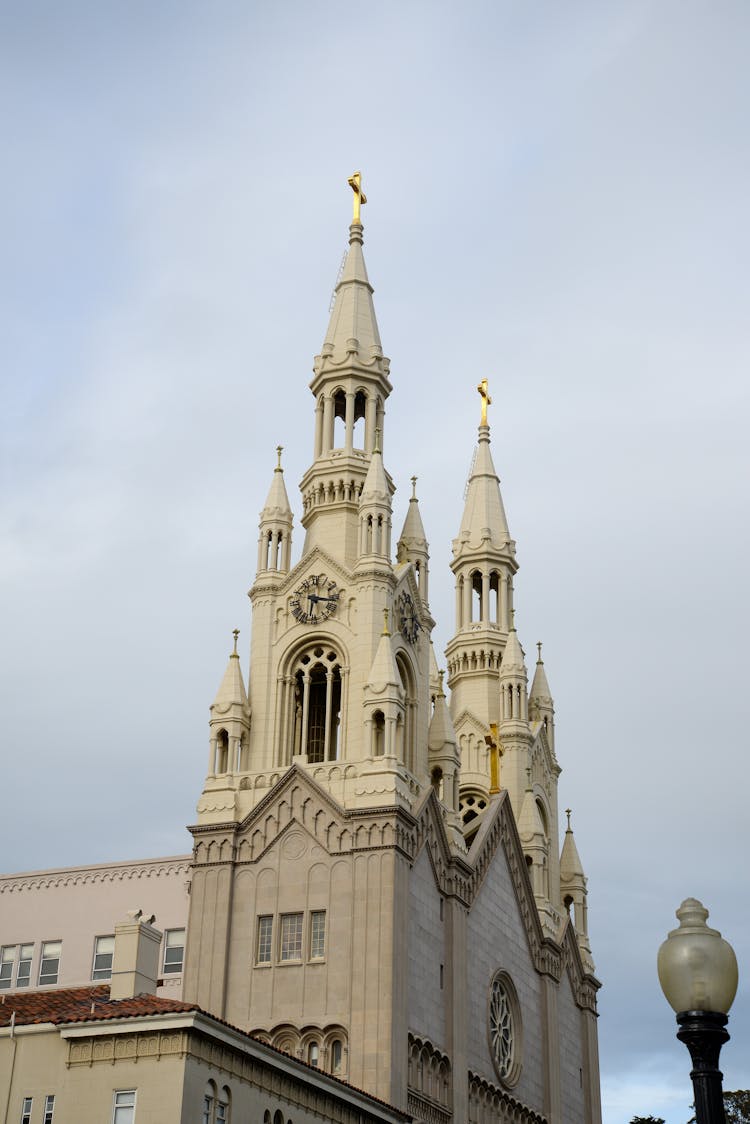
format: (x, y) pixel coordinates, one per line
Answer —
(557, 201)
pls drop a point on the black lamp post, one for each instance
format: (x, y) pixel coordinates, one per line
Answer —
(698, 975)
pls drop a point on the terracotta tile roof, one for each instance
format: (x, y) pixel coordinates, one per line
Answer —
(74, 1004)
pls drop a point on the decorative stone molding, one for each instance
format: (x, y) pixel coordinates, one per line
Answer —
(488, 1104)
(112, 1048)
(90, 875)
(430, 1087)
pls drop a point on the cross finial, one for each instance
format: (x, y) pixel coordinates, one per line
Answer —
(539, 650)
(414, 487)
(528, 778)
(513, 620)
(567, 813)
(355, 183)
(235, 634)
(377, 448)
(385, 631)
(486, 400)
(441, 690)
(279, 451)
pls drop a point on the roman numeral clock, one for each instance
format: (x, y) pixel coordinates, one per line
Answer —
(315, 599)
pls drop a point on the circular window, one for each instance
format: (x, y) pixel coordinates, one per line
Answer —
(504, 1028)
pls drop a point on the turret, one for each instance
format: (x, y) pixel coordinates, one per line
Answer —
(541, 706)
(573, 887)
(412, 544)
(275, 538)
(384, 702)
(513, 721)
(375, 512)
(230, 721)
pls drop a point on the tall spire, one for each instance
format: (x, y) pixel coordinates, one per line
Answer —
(350, 384)
(484, 520)
(484, 564)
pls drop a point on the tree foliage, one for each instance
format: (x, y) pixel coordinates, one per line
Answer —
(647, 1120)
(736, 1107)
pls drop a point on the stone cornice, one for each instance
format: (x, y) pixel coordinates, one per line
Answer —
(513, 1111)
(105, 872)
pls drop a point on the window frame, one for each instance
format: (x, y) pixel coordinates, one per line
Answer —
(49, 1108)
(101, 973)
(285, 957)
(169, 968)
(44, 958)
(27, 1107)
(320, 937)
(264, 941)
(115, 1106)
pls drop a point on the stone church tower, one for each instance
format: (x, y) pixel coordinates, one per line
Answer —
(377, 886)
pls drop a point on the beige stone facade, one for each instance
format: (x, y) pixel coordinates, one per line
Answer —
(374, 867)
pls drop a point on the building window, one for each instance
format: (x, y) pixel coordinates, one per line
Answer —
(336, 1055)
(23, 978)
(291, 936)
(49, 1109)
(104, 948)
(26, 1110)
(317, 705)
(222, 1108)
(7, 960)
(123, 1108)
(265, 932)
(49, 968)
(312, 1054)
(209, 1101)
(317, 934)
(174, 950)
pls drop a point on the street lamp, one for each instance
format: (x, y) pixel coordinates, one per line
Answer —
(698, 975)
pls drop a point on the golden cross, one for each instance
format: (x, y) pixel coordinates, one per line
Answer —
(486, 400)
(355, 183)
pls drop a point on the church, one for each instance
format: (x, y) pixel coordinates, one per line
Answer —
(377, 888)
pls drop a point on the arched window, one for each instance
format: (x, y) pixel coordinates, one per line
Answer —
(209, 1103)
(339, 421)
(222, 752)
(360, 403)
(313, 1054)
(405, 734)
(378, 734)
(222, 1107)
(317, 705)
(337, 1051)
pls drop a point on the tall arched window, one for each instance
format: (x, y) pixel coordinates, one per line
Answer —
(317, 705)
(406, 733)
(222, 752)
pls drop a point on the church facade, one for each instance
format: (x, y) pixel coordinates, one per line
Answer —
(377, 886)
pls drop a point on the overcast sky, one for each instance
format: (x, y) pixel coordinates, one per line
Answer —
(558, 201)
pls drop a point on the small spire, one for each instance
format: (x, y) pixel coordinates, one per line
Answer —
(414, 487)
(279, 451)
(235, 634)
(567, 813)
(539, 650)
(385, 631)
(486, 400)
(355, 183)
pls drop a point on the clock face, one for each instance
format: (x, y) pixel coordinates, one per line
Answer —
(315, 600)
(408, 622)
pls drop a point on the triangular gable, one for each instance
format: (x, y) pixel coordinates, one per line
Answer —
(312, 562)
(467, 717)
